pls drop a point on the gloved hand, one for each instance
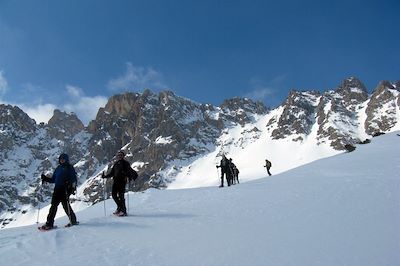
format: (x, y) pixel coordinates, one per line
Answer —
(102, 175)
(44, 178)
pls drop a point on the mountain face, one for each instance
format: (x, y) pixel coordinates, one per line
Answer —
(158, 131)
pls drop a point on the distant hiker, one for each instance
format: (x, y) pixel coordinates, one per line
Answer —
(64, 178)
(235, 174)
(231, 172)
(268, 165)
(121, 171)
(224, 165)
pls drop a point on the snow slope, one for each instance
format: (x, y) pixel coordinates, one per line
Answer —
(249, 148)
(341, 210)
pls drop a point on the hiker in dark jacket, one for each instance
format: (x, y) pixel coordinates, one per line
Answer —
(64, 179)
(235, 174)
(268, 165)
(121, 171)
(224, 165)
(231, 173)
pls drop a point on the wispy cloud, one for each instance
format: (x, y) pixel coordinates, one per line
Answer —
(3, 85)
(35, 109)
(41, 109)
(263, 90)
(84, 107)
(74, 91)
(138, 78)
(40, 112)
(75, 101)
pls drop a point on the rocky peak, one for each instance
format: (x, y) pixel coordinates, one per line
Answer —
(378, 121)
(353, 91)
(123, 104)
(245, 104)
(382, 94)
(241, 110)
(64, 123)
(298, 114)
(396, 84)
(12, 117)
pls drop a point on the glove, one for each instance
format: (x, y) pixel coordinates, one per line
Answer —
(102, 175)
(44, 178)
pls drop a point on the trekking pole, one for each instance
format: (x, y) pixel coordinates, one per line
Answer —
(105, 192)
(129, 185)
(218, 177)
(68, 206)
(38, 211)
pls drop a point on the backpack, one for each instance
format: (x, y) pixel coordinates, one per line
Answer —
(71, 183)
(133, 175)
(268, 164)
(71, 188)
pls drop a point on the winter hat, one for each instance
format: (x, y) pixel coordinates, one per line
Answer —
(64, 156)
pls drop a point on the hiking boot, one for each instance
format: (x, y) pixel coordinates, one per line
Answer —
(121, 213)
(46, 227)
(71, 224)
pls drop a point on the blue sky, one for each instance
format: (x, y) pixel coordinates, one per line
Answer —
(74, 54)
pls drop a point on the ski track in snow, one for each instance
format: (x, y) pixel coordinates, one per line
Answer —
(341, 210)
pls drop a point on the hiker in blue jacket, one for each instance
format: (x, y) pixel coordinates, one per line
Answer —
(64, 179)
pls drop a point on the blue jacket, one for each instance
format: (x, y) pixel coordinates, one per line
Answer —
(64, 173)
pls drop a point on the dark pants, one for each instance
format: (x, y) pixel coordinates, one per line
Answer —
(60, 195)
(227, 176)
(118, 195)
(268, 170)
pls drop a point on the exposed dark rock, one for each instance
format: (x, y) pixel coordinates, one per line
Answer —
(378, 121)
(158, 129)
(298, 114)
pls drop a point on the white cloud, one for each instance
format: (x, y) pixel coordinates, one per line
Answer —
(260, 93)
(260, 90)
(40, 112)
(74, 91)
(36, 107)
(263, 90)
(75, 101)
(138, 78)
(84, 107)
(3, 85)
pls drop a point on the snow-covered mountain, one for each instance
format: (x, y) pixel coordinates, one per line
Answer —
(174, 142)
(342, 210)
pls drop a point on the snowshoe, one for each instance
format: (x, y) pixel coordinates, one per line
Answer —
(46, 227)
(121, 214)
(71, 224)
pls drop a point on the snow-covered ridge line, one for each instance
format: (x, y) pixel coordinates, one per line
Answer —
(330, 212)
(176, 143)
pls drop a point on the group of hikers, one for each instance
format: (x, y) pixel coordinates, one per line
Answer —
(230, 171)
(65, 182)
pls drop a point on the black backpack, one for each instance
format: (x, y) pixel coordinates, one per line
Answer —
(71, 183)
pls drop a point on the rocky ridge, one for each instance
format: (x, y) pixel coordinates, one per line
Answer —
(156, 130)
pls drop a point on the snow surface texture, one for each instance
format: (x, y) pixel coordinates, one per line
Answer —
(341, 210)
